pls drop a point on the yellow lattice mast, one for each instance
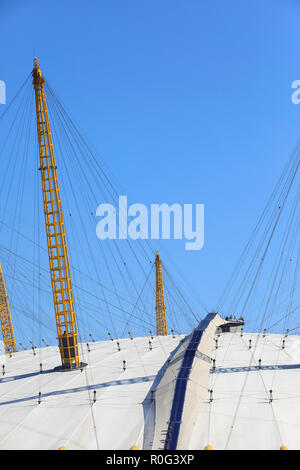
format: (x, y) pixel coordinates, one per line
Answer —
(161, 322)
(5, 317)
(56, 237)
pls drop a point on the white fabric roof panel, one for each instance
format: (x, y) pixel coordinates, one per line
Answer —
(65, 416)
(240, 416)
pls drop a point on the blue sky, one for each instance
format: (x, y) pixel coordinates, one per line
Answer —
(186, 101)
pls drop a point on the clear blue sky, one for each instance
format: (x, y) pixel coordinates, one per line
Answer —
(187, 101)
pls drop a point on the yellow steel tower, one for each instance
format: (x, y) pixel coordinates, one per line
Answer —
(6, 323)
(161, 322)
(55, 229)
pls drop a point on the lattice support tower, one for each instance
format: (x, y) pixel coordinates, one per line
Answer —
(161, 321)
(5, 317)
(63, 298)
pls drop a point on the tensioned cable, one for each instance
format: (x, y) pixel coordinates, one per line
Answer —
(251, 289)
(73, 267)
(292, 160)
(15, 97)
(110, 276)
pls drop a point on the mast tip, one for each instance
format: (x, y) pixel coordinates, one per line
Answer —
(36, 62)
